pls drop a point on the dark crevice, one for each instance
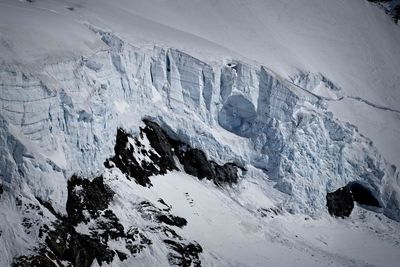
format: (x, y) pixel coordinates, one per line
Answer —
(168, 68)
(362, 195)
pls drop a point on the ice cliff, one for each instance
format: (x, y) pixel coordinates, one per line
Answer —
(62, 120)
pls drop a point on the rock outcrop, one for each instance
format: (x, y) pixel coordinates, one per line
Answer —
(153, 152)
(65, 242)
(340, 203)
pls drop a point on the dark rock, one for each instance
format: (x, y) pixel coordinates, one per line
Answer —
(41, 259)
(122, 256)
(44, 229)
(125, 161)
(396, 13)
(136, 241)
(79, 249)
(108, 227)
(269, 211)
(161, 143)
(124, 158)
(87, 200)
(151, 213)
(83, 249)
(184, 254)
(195, 163)
(92, 196)
(172, 220)
(18, 201)
(65, 243)
(1, 189)
(168, 208)
(391, 8)
(226, 174)
(362, 195)
(27, 224)
(340, 203)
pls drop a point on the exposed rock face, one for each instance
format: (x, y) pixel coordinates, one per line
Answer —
(42, 259)
(150, 153)
(88, 206)
(86, 196)
(172, 220)
(153, 152)
(150, 212)
(195, 163)
(161, 143)
(87, 200)
(79, 249)
(135, 157)
(340, 203)
(184, 254)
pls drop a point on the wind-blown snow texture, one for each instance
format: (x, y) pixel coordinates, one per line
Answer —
(285, 123)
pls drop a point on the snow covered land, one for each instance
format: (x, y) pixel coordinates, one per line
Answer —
(199, 133)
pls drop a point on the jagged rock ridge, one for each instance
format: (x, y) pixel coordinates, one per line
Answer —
(153, 152)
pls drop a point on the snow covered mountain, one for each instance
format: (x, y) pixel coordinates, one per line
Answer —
(199, 133)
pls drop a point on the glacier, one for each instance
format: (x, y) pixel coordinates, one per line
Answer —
(69, 113)
(60, 120)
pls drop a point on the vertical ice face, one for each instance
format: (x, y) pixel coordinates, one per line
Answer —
(237, 115)
(64, 119)
(239, 94)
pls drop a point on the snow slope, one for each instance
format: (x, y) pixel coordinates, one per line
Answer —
(269, 85)
(218, 221)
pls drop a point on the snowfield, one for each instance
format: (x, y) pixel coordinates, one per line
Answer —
(234, 233)
(261, 107)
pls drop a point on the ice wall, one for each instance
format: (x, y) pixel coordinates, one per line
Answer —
(63, 119)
